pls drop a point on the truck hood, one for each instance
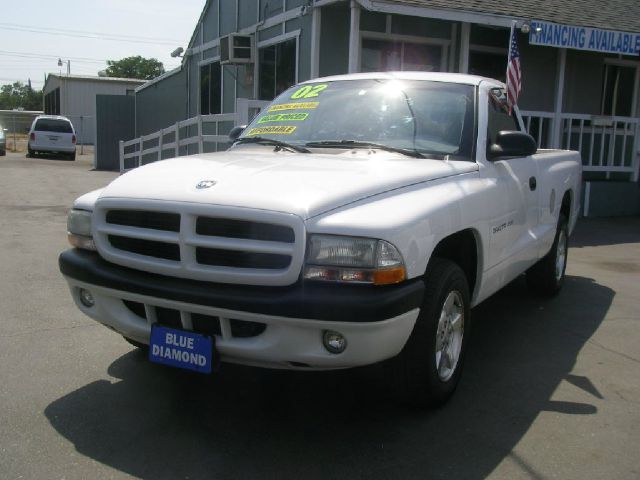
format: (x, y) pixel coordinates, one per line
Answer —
(305, 184)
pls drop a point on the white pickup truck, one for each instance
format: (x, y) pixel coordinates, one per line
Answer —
(357, 219)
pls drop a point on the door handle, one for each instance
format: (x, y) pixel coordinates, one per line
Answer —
(532, 183)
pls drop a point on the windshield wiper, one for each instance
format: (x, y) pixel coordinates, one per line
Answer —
(270, 141)
(357, 144)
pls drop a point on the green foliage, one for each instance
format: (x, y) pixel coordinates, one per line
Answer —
(20, 95)
(135, 67)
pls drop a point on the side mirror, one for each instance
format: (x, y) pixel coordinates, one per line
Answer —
(512, 144)
(236, 132)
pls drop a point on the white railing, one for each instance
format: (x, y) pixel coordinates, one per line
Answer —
(606, 144)
(175, 140)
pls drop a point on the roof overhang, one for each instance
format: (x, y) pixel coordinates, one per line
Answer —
(441, 14)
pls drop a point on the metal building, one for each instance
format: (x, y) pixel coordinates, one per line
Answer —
(74, 96)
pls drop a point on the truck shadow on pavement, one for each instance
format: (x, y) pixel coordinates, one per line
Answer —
(154, 422)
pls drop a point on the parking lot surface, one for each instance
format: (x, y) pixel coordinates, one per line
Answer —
(551, 388)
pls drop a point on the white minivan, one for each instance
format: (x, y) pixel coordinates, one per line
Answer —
(52, 134)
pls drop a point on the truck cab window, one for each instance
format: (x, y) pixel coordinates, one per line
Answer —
(499, 117)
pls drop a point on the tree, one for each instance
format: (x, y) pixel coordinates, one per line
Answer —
(20, 95)
(135, 67)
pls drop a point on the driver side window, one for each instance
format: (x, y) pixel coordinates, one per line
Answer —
(499, 117)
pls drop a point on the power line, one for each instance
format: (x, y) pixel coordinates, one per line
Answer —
(86, 32)
(44, 56)
(96, 36)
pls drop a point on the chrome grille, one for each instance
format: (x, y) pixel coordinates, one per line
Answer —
(225, 227)
(145, 219)
(149, 248)
(213, 243)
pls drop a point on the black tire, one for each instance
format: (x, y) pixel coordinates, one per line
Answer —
(31, 153)
(136, 344)
(421, 383)
(3, 153)
(72, 156)
(547, 276)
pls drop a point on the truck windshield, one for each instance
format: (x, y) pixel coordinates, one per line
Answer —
(420, 118)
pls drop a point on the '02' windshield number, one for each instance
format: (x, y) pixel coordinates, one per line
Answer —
(309, 91)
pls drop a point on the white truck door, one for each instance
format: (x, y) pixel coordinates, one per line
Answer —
(512, 237)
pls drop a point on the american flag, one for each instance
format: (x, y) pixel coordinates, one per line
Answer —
(514, 74)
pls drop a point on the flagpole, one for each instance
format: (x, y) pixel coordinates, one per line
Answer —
(513, 26)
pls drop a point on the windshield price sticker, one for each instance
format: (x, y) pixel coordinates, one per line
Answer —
(284, 117)
(294, 106)
(273, 130)
(309, 91)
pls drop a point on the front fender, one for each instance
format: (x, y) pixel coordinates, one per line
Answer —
(414, 219)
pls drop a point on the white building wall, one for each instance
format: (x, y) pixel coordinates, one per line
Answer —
(78, 100)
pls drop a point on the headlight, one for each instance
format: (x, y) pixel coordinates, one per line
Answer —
(79, 229)
(353, 259)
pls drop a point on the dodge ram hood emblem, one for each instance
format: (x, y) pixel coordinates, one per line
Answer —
(205, 184)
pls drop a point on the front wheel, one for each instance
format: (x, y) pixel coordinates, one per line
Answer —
(431, 363)
(547, 276)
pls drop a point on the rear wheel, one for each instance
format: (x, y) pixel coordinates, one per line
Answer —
(31, 153)
(547, 276)
(71, 156)
(3, 153)
(430, 366)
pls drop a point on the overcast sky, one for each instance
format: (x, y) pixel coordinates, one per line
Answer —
(34, 33)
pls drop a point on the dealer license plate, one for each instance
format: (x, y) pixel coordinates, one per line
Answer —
(182, 349)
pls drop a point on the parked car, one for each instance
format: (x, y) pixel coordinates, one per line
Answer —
(3, 141)
(357, 219)
(52, 134)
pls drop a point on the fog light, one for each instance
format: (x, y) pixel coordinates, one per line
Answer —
(334, 342)
(86, 298)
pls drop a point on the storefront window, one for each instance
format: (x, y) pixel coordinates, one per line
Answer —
(617, 90)
(210, 89)
(380, 55)
(277, 69)
(488, 64)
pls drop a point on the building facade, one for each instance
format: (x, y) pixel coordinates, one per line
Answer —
(579, 66)
(74, 96)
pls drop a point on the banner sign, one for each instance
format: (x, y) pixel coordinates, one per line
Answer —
(583, 38)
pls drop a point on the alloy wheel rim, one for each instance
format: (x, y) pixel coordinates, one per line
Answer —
(449, 335)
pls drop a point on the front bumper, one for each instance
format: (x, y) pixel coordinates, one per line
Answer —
(376, 321)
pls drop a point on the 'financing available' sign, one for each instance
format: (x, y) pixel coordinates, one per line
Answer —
(584, 38)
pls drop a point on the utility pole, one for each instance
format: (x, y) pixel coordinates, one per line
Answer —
(15, 145)
(68, 62)
(81, 135)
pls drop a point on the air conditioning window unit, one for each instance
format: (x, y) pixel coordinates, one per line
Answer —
(235, 48)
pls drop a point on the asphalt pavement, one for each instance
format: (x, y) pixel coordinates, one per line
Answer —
(551, 388)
